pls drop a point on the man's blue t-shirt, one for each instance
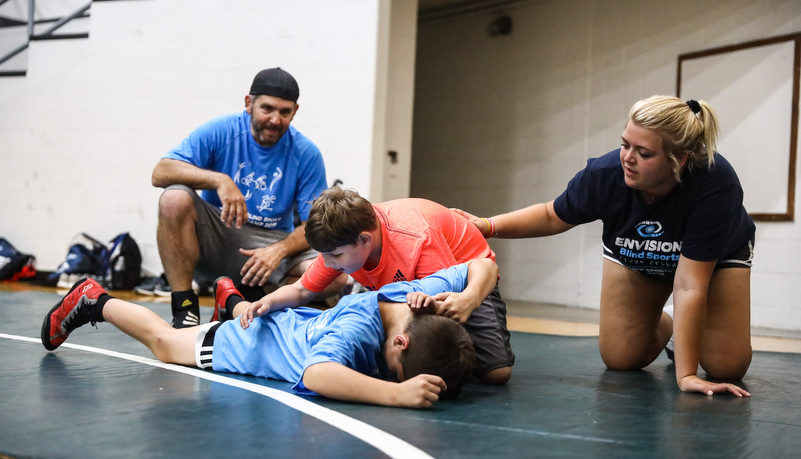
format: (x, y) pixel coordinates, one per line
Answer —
(282, 344)
(272, 179)
(702, 218)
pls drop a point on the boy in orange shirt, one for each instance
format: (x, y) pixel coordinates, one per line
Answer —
(398, 240)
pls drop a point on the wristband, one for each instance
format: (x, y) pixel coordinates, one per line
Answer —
(491, 225)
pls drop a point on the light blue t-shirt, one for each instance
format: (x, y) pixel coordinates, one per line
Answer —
(272, 179)
(282, 344)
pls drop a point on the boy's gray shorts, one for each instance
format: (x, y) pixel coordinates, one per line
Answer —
(487, 328)
(219, 245)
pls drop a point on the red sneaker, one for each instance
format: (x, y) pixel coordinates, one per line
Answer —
(75, 309)
(223, 288)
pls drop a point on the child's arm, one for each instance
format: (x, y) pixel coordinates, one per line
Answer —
(288, 296)
(334, 380)
(482, 275)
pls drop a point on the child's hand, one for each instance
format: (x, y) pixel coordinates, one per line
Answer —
(693, 383)
(255, 309)
(456, 306)
(420, 392)
(420, 302)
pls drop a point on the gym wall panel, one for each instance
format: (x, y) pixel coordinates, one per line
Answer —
(556, 91)
(94, 116)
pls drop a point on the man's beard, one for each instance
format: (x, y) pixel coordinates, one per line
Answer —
(259, 137)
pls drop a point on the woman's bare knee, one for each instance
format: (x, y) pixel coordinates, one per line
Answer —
(622, 364)
(729, 367)
(620, 356)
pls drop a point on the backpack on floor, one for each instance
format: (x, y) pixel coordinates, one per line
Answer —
(123, 263)
(86, 257)
(15, 265)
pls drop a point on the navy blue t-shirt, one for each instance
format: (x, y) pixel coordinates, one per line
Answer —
(702, 218)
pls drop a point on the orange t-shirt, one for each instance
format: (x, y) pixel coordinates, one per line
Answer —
(418, 238)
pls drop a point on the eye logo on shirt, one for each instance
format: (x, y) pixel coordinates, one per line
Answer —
(649, 229)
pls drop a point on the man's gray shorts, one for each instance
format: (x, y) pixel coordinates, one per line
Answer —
(219, 245)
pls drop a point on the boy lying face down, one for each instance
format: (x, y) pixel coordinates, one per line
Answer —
(375, 347)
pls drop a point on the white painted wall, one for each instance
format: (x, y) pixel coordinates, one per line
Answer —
(80, 134)
(501, 123)
(394, 102)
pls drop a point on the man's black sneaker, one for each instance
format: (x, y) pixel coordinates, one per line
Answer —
(149, 285)
(162, 287)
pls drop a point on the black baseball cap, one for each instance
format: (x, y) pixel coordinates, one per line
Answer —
(275, 82)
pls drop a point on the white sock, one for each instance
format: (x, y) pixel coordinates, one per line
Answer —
(669, 310)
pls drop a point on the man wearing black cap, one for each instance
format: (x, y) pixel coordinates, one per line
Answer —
(253, 169)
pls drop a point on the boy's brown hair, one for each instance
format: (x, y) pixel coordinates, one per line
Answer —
(438, 346)
(337, 218)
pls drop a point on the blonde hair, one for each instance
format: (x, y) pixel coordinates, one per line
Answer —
(690, 126)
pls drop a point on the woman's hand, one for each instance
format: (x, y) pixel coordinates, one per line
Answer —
(476, 221)
(693, 383)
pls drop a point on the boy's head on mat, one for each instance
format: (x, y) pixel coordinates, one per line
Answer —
(434, 345)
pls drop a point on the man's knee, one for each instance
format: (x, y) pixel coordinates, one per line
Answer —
(175, 204)
(337, 286)
(497, 376)
(334, 289)
(297, 271)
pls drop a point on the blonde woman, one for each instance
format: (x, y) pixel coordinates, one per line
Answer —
(673, 223)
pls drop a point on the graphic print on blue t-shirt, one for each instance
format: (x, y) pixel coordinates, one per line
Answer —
(262, 196)
(273, 180)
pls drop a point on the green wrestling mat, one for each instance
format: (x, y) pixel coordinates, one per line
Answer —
(109, 398)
